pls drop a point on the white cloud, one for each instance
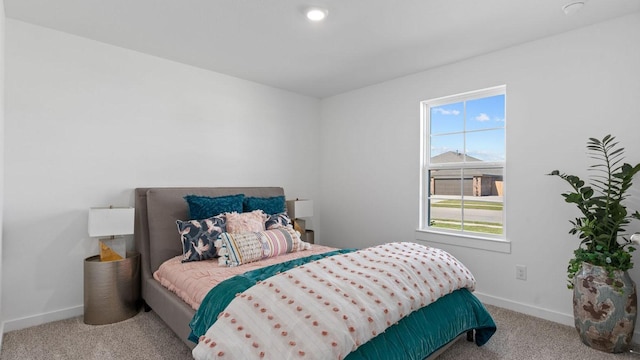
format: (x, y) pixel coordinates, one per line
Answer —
(482, 117)
(446, 112)
(487, 155)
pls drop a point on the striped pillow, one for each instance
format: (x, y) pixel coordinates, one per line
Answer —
(238, 249)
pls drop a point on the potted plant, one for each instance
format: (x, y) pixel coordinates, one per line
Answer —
(604, 296)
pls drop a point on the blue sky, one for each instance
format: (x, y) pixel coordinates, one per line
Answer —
(483, 123)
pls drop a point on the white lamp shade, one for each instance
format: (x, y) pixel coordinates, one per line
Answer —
(111, 221)
(300, 208)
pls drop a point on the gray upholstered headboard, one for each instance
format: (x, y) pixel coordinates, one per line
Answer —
(157, 209)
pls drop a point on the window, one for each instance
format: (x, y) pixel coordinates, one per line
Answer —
(463, 162)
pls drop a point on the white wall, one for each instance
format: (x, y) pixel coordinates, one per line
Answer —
(560, 91)
(86, 123)
(2, 24)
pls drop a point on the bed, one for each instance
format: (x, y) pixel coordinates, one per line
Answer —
(456, 315)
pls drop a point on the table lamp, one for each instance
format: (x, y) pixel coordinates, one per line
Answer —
(297, 209)
(109, 224)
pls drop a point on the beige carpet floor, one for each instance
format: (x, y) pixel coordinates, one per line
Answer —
(144, 336)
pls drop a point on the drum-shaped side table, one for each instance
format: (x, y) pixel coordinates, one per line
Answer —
(111, 289)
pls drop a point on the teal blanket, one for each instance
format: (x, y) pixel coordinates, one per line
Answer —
(414, 337)
(426, 330)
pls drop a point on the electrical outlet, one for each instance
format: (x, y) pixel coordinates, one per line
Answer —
(521, 272)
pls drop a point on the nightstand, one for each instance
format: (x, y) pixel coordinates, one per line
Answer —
(111, 289)
(308, 236)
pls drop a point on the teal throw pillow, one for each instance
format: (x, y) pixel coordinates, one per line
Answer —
(204, 207)
(270, 205)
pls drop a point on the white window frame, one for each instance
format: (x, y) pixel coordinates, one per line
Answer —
(426, 233)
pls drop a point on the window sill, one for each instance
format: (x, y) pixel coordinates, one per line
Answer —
(474, 242)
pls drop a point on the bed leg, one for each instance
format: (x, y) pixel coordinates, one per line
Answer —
(470, 335)
(146, 307)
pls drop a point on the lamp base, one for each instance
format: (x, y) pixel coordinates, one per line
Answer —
(299, 226)
(113, 249)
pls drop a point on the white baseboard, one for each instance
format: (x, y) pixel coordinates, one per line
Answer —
(561, 318)
(546, 314)
(565, 319)
(34, 320)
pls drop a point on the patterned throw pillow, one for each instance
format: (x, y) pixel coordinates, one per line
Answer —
(277, 221)
(199, 236)
(245, 222)
(204, 207)
(270, 205)
(238, 249)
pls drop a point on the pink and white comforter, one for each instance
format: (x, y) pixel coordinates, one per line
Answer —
(326, 309)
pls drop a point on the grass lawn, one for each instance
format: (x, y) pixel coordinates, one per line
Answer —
(473, 226)
(468, 204)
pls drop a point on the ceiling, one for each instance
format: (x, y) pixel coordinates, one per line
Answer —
(361, 42)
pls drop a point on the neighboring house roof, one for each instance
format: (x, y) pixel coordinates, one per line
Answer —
(451, 157)
(458, 157)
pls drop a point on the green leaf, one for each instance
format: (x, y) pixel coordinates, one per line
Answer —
(603, 215)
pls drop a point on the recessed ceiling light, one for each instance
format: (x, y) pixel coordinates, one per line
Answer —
(573, 7)
(316, 14)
